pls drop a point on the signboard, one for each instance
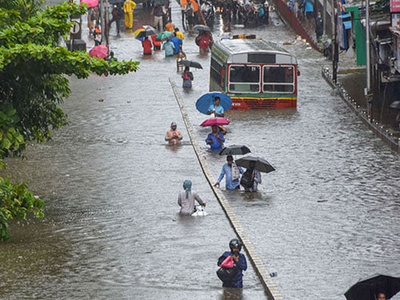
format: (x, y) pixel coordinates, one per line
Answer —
(395, 20)
(76, 27)
(394, 6)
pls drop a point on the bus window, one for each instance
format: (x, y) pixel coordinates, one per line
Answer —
(244, 78)
(278, 79)
(217, 73)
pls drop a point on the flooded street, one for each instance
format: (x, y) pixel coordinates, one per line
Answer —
(326, 217)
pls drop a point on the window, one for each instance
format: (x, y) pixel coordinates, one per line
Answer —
(216, 73)
(279, 79)
(244, 78)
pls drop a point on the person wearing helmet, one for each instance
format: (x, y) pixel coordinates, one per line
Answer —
(187, 198)
(240, 264)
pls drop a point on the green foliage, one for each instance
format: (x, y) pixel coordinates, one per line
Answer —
(15, 202)
(34, 72)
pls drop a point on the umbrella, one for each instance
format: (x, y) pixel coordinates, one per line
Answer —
(395, 105)
(116, 1)
(215, 121)
(200, 27)
(163, 36)
(366, 289)
(190, 63)
(99, 51)
(91, 3)
(206, 100)
(144, 31)
(235, 150)
(260, 163)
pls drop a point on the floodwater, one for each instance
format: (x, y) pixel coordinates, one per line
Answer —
(325, 218)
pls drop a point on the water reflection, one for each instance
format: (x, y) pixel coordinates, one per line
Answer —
(232, 294)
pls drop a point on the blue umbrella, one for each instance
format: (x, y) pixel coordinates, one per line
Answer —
(205, 101)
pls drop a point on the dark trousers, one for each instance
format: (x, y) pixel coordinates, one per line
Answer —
(117, 22)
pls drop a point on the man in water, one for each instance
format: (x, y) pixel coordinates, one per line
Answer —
(173, 136)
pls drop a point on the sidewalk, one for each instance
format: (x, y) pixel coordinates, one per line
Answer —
(351, 81)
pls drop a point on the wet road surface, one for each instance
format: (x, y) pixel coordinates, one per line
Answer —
(327, 217)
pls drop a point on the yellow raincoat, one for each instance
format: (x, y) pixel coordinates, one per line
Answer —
(129, 7)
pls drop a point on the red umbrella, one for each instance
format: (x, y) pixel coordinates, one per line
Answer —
(99, 51)
(215, 121)
(90, 3)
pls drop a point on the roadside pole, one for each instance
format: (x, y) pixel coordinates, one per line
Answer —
(367, 91)
(335, 47)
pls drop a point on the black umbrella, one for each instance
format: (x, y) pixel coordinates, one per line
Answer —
(260, 163)
(201, 27)
(190, 63)
(395, 105)
(116, 1)
(367, 289)
(235, 150)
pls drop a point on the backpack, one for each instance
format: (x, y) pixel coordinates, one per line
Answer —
(246, 181)
(186, 76)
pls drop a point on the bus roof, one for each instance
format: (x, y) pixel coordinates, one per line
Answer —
(250, 45)
(235, 48)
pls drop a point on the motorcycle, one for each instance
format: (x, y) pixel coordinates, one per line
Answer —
(207, 9)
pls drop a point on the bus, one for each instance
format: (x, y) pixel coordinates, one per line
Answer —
(255, 73)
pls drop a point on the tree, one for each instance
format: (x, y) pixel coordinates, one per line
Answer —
(34, 72)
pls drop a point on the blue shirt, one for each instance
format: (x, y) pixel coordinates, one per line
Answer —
(216, 143)
(169, 48)
(219, 109)
(229, 183)
(177, 44)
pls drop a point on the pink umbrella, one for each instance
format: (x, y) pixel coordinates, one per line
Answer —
(99, 51)
(215, 121)
(90, 3)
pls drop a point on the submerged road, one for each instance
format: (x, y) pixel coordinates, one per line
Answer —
(327, 217)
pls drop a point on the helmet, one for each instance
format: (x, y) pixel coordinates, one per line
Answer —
(235, 243)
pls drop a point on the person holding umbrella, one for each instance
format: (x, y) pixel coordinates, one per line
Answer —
(216, 108)
(187, 77)
(215, 138)
(232, 173)
(253, 177)
(147, 45)
(381, 296)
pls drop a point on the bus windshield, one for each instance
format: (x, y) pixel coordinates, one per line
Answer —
(244, 78)
(278, 79)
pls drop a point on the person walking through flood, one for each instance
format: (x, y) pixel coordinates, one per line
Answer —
(204, 41)
(216, 108)
(116, 14)
(147, 45)
(187, 198)
(232, 174)
(156, 44)
(319, 27)
(158, 13)
(254, 176)
(169, 48)
(240, 264)
(187, 78)
(129, 7)
(173, 136)
(215, 139)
